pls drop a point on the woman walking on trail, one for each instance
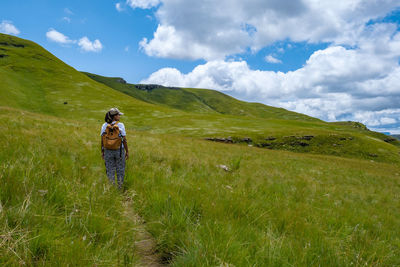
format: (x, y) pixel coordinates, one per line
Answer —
(114, 147)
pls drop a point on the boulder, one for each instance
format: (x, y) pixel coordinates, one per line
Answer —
(224, 167)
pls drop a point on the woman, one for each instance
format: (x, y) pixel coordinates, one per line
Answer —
(115, 158)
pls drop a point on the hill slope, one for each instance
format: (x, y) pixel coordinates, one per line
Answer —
(34, 80)
(273, 208)
(198, 100)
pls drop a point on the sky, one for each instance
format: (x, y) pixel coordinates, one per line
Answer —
(334, 60)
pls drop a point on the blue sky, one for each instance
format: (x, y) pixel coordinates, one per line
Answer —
(335, 60)
(96, 20)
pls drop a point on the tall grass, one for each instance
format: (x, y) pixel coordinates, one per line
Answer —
(270, 208)
(57, 208)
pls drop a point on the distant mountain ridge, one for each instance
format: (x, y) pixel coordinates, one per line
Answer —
(197, 100)
(397, 136)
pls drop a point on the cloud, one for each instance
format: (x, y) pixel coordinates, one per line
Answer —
(68, 11)
(8, 27)
(355, 78)
(58, 37)
(254, 24)
(84, 43)
(272, 59)
(166, 42)
(88, 46)
(119, 7)
(336, 83)
(67, 19)
(145, 4)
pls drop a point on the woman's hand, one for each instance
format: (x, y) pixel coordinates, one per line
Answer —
(126, 155)
(102, 155)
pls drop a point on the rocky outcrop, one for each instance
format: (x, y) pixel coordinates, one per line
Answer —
(307, 137)
(11, 44)
(246, 140)
(221, 140)
(287, 140)
(149, 87)
(389, 139)
(120, 80)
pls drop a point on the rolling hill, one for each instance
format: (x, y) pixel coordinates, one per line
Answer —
(198, 100)
(332, 203)
(338, 140)
(35, 80)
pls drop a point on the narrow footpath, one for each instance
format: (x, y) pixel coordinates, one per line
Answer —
(145, 244)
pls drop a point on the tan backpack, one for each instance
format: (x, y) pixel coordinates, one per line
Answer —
(111, 138)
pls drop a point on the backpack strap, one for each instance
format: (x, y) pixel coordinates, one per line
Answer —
(120, 151)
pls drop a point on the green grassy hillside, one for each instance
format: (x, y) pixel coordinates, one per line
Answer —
(34, 80)
(286, 130)
(199, 100)
(272, 208)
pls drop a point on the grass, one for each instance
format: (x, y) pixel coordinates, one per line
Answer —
(56, 207)
(35, 80)
(318, 205)
(275, 208)
(271, 208)
(241, 119)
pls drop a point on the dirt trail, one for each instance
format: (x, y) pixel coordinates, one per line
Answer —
(145, 244)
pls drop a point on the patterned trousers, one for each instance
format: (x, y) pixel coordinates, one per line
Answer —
(115, 164)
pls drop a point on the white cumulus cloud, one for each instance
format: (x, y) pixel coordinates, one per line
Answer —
(119, 7)
(272, 59)
(336, 83)
(89, 46)
(58, 37)
(356, 77)
(67, 19)
(8, 27)
(166, 41)
(145, 4)
(84, 43)
(227, 27)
